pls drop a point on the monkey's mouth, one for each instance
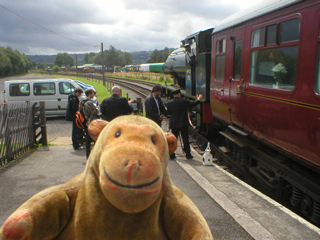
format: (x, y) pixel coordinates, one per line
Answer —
(129, 186)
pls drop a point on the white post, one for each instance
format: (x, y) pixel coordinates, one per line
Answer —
(207, 156)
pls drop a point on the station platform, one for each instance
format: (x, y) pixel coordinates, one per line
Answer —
(232, 209)
(257, 214)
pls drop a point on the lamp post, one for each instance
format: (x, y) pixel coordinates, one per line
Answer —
(102, 64)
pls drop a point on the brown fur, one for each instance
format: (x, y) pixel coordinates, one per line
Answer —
(125, 192)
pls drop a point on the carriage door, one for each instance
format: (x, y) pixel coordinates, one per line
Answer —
(236, 82)
(191, 68)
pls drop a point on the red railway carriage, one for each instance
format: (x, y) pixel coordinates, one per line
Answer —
(265, 98)
(265, 77)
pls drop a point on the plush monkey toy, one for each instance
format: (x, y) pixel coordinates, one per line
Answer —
(125, 192)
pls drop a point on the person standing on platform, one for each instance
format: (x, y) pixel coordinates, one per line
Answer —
(179, 122)
(73, 104)
(91, 112)
(115, 105)
(154, 107)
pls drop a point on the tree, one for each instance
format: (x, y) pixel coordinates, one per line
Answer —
(13, 62)
(25, 63)
(56, 68)
(5, 63)
(42, 66)
(64, 59)
(89, 57)
(127, 59)
(113, 57)
(159, 56)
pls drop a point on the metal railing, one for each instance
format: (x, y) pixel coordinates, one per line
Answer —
(22, 125)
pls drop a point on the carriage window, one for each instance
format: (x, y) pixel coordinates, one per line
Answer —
(221, 46)
(66, 88)
(317, 83)
(274, 67)
(257, 38)
(220, 65)
(44, 89)
(271, 34)
(289, 30)
(237, 61)
(19, 89)
(220, 59)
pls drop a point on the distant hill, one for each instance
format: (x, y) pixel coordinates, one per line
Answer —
(140, 57)
(137, 57)
(42, 58)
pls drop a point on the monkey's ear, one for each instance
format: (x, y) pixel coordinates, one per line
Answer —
(172, 142)
(95, 128)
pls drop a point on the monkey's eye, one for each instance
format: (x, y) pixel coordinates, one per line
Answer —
(118, 133)
(153, 140)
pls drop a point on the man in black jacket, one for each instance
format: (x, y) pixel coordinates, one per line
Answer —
(115, 105)
(154, 106)
(179, 122)
(73, 104)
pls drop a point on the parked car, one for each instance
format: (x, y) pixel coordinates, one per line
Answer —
(85, 86)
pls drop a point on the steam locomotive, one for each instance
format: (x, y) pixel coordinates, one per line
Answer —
(259, 74)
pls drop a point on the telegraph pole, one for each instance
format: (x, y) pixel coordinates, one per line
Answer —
(102, 63)
(77, 64)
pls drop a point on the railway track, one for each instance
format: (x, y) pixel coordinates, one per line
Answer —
(142, 89)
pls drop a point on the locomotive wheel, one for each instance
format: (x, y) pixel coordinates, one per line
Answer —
(306, 205)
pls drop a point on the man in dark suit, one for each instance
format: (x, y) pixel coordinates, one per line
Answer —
(154, 106)
(73, 105)
(179, 122)
(115, 105)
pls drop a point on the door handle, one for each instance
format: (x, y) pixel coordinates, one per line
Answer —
(240, 86)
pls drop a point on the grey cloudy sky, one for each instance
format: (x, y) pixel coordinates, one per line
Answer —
(76, 26)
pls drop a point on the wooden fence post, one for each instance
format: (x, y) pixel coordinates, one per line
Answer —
(43, 123)
(39, 121)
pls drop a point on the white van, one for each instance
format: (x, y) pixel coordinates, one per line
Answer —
(53, 91)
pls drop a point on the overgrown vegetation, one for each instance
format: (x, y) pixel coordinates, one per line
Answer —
(12, 62)
(64, 59)
(159, 56)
